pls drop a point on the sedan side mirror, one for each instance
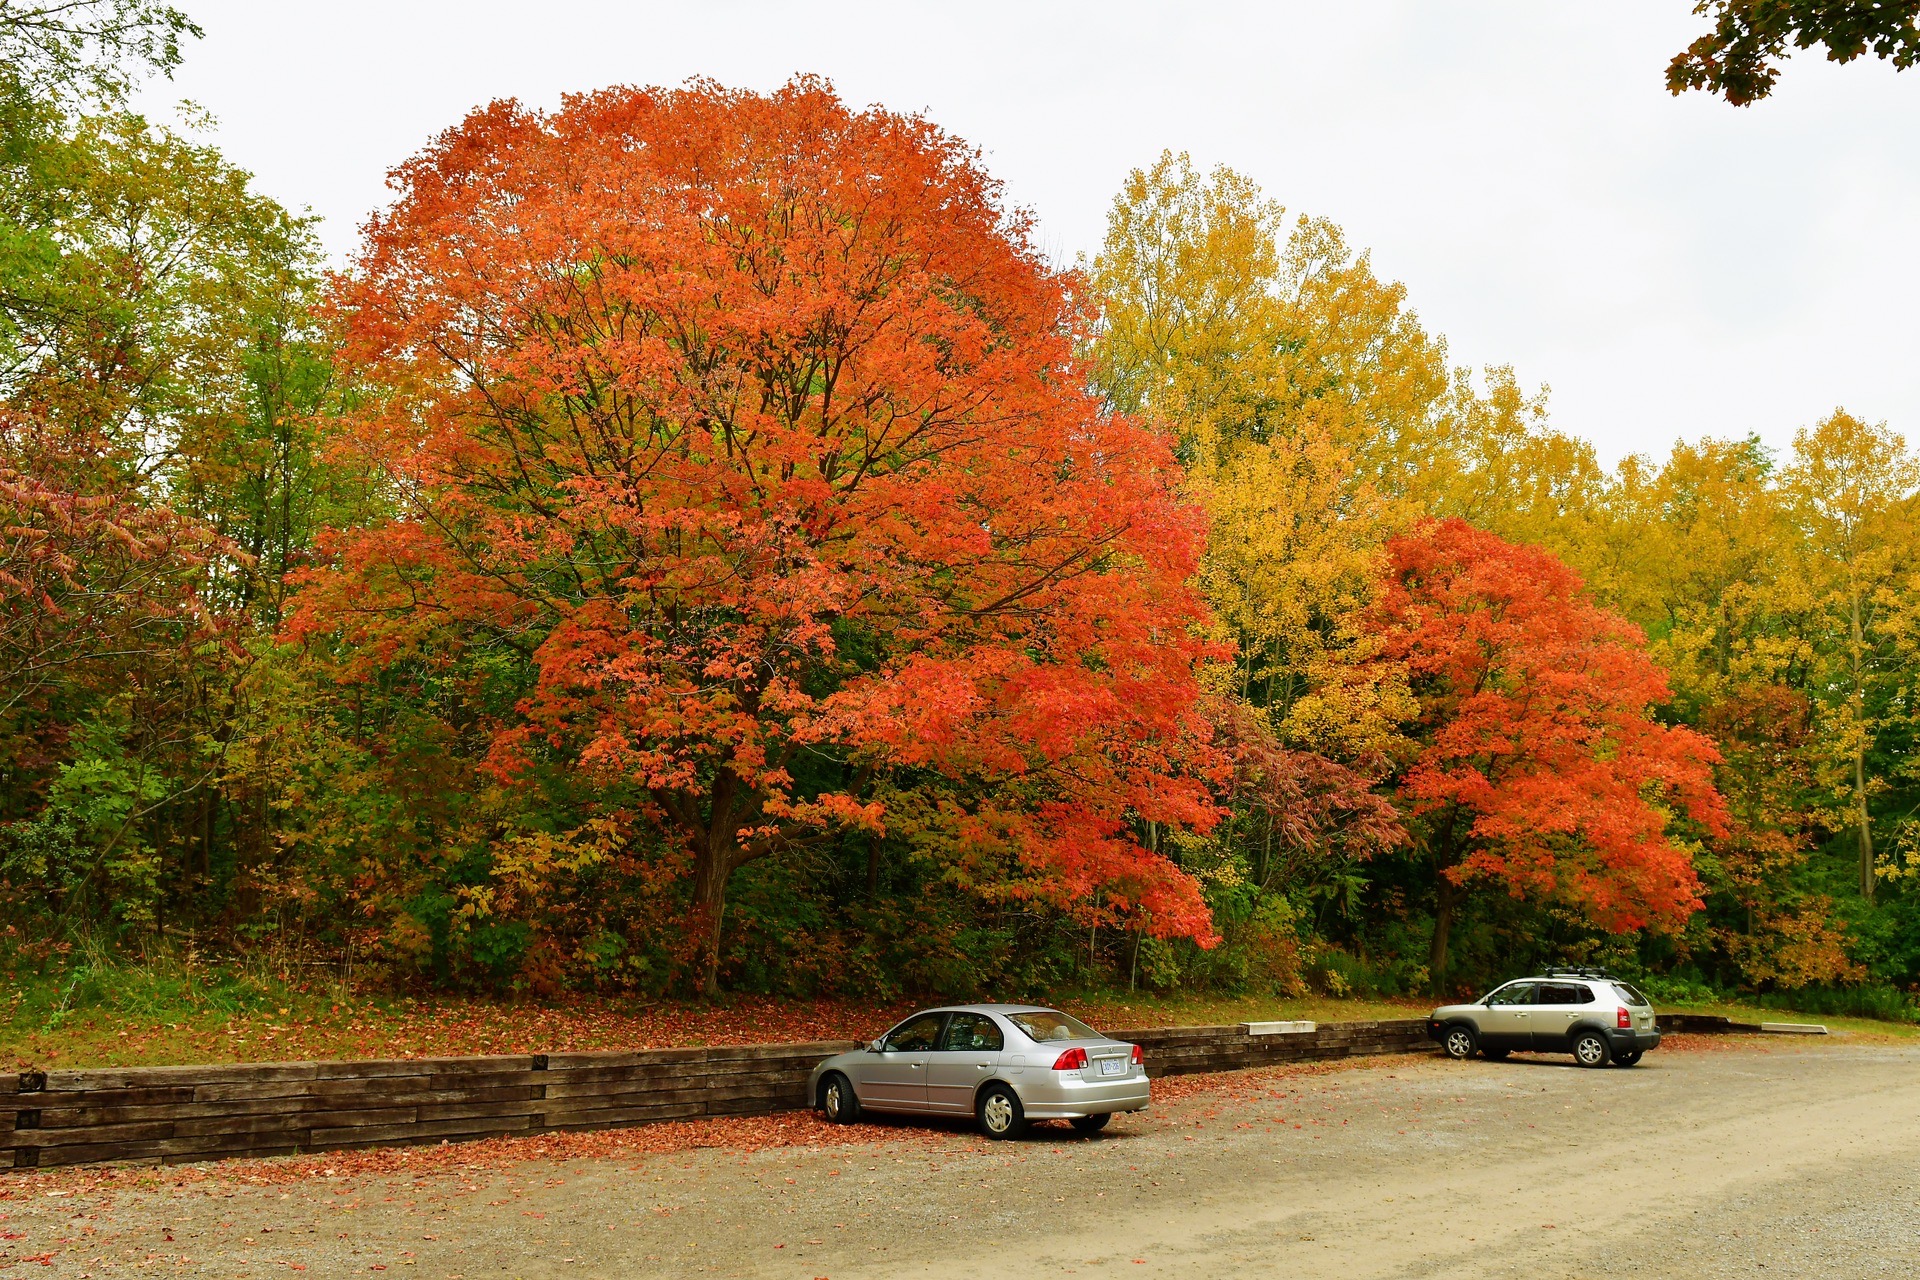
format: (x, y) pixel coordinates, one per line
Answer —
(873, 1046)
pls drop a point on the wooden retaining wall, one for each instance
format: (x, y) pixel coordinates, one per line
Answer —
(1707, 1023)
(170, 1115)
(1173, 1051)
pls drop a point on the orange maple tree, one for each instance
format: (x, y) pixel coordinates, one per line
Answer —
(754, 421)
(1540, 766)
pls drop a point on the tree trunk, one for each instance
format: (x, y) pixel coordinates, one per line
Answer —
(1447, 897)
(1449, 900)
(1860, 752)
(711, 869)
(1866, 824)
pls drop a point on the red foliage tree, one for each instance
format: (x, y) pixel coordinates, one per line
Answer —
(753, 420)
(1540, 768)
(97, 583)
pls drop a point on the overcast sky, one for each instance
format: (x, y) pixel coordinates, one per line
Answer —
(1669, 267)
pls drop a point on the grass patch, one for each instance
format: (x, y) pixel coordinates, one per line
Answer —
(88, 1010)
(1744, 1011)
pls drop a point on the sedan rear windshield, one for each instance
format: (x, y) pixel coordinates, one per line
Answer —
(1050, 1024)
(1629, 994)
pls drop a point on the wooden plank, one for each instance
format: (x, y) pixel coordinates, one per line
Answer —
(376, 1086)
(471, 1110)
(211, 1126)
(496, 1064)
(239, 1108)
(475, 1081)
(105, 1097)
(643, 1072)
(633, 1098)
(623, 1117)
(747, 1079)
(746, 1106)
(209, 1146)
(758, 1089)
(97, 1153)
(624, 1058)
(102, 1133)
(202, 1157)
(96, 1078)
(368, 1135)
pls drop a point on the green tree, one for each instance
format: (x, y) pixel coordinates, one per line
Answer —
(1848, 488)
(1739, 58)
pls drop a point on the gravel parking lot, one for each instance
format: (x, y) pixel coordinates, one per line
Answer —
(1727, 1158)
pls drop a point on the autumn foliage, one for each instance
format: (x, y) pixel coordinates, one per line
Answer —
(750, 420)
(700, 541)
(1541, 770)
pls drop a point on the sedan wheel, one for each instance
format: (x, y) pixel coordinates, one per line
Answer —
(1090, 1124)
(1590, 1050)
(1460, 1042)
(837, 1099)
(1000, 1113)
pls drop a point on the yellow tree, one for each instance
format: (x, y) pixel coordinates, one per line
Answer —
(1498, 465)
(1699, 551)
(1270, 354)
(1848, 489)
(1705, 540)
(1293, 380)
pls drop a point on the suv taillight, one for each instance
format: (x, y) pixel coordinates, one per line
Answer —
(1623, 1020)
(1139, 1058)
(1071, 1060)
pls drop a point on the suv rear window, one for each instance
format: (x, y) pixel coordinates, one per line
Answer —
(1630, 994)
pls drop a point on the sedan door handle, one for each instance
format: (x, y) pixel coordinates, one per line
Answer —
(984, 1066)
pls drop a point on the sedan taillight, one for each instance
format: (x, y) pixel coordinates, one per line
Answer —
(1071, 1060)
(1139, 1058)
(1624, 1020)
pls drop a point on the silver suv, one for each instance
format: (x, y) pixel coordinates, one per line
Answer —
(1588, 1013)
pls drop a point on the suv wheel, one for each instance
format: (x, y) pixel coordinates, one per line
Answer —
(1628, 1059)
(1495, 1055)
(1000, 1113)
(1590, 1049)
(1460, 1042)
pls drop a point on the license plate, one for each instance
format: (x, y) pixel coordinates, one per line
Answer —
(1113, 1066)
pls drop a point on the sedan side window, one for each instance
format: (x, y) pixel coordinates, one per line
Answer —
(972, 1033)
(1517, 993)
(915, 1035)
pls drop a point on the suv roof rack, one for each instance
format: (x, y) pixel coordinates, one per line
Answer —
(1580, 971)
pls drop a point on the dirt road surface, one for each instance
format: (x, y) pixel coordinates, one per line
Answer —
(1744, 1158)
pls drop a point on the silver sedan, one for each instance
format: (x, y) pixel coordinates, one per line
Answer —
(1004, 1064)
